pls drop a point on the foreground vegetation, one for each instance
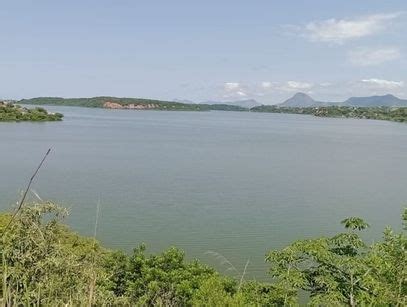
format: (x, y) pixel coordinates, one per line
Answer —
(45, 263)
(99, 102)
(12, 112)
(398, 114)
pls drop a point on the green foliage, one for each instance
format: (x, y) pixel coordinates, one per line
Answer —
(45, 263)
(11, 112)
(354, 223)
(255, 293)
(343, 270)
(164, 279)
(38, 264)
(214, 292)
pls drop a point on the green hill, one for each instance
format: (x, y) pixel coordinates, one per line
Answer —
(129, 103)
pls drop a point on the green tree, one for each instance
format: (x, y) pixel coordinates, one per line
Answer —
(343, 270)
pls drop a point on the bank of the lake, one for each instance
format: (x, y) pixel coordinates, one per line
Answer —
(396, 114)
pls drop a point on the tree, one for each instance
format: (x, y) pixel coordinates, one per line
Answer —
(343, 270)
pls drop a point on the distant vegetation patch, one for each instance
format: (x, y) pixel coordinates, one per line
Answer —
(398, 114)
(13, 112)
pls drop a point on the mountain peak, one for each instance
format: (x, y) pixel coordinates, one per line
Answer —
(301, 95)
(299, 100)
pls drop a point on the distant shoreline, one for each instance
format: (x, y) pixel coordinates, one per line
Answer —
(129, 103)
(396, 114)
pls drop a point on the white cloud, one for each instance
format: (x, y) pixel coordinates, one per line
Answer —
(282, 87)
(325, 84)
(231, 86)
(266, 84)
(234, 90)
(295, 85)
(368, 57)
(385, 84)
(341, 30)
(241, 94)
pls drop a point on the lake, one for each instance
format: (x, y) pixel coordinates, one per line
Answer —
(238, 184)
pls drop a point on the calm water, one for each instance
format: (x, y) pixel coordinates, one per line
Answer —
(235, 183)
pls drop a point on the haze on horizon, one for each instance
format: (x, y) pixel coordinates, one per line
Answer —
(211, 50)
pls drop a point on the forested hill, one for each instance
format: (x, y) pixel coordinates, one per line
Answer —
(129, 103)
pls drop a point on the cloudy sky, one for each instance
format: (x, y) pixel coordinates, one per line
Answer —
(203, 50)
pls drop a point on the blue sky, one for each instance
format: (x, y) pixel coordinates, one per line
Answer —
(203, 50)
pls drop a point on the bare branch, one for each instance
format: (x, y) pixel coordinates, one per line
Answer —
(25, 192)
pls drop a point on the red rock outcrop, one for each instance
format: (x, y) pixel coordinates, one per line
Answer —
(116, 105)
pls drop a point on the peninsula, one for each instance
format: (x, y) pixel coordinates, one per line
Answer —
(14, 113)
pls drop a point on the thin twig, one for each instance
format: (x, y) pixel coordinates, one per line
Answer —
(243, 274)
(20, 205)
(36, 195)
(96, 221)
(93, 280)
(223, 260)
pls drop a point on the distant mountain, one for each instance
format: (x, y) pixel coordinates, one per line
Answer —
(183, 100)
(376, 101)
(303, 101)
(300, 100)
(249, 103)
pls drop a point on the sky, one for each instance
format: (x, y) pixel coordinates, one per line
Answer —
(203, 50)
